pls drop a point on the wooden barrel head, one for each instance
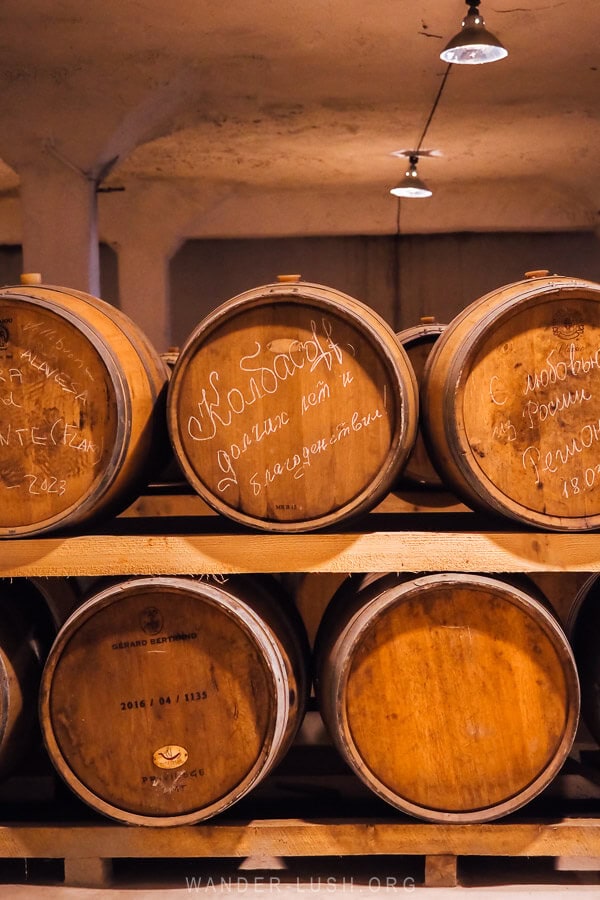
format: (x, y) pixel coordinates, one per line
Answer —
(292, 407)
(164, 701)
(59, 417)
(455, 698)
(81, 409)
(512, 403)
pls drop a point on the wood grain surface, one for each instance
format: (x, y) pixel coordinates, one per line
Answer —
(199, 551)
(79, 395)
(511, 403)
(454, 697)
(298, 837)
(164, 701)
(292, 407)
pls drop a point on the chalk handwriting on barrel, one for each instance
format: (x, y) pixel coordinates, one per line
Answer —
(497, 391)
(50, 335)
(504, 431)
(36, 484)
(297, 462)
(11, 378)
(255, 434)
(9, 400)
(552, 460)
(62, 379)
(585, 481)
(536, 412)
(218, 406)
(44, 484)
(321, 393)
(10, 375)
(317, 349)
(559, 369)
(59, 433)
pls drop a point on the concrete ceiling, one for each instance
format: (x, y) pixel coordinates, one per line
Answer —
(230, 100)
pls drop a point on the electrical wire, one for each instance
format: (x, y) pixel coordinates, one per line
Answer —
(433, 108)
(415, 152)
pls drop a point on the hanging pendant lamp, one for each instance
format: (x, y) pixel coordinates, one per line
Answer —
(411, 185)
(474, 44)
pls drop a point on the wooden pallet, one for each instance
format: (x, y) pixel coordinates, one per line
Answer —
(88, 850)
(563, 823)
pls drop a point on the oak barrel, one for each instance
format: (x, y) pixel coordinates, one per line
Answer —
(418, 342)
(292, 407)
(82, 396)
(454, 697)
(165, 700)
(583, 629)
(511, 403)
(31, 612)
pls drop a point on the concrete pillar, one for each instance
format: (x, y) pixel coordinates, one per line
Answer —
(147, 224)
(59, 220)
(144, 288)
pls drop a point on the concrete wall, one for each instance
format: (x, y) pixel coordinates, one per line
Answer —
(403, 278)
(11, 267)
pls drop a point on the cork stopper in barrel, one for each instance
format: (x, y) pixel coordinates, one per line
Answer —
(31, 278)
(537, 273)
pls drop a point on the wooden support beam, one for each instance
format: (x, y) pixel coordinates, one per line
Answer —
(88, 871)
(441, 871)
(213, 553)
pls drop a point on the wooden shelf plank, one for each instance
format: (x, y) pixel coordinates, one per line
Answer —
(394, 551)
(293, 837)
(164, 502)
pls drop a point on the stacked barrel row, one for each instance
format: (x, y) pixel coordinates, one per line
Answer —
(293, 407)
(165, 700)
(509, 410)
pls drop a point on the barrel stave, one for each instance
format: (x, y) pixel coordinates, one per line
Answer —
(83, 414)
(292, 407)
(31, 612)
(454, 697)
(189, 692)
(418, 342)
(511, 407)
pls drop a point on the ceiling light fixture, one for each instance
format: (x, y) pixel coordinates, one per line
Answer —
(473, 44)
(411, 185)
